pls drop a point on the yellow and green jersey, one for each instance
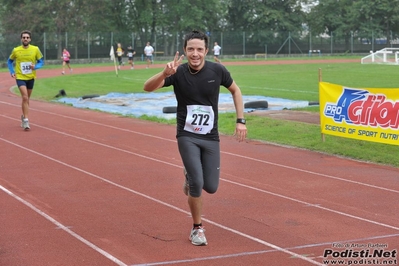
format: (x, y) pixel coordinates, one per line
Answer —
(24, 58)
(119, 51)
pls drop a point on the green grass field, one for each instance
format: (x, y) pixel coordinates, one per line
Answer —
(295, 82)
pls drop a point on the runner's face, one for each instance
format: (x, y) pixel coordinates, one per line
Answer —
(25, 39)
(196, 52)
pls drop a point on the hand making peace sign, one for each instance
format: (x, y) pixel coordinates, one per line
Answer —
(172, 66)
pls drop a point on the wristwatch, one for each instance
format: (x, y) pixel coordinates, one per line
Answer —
(241, 121)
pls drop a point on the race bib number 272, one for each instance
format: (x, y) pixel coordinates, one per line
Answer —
(199, 119)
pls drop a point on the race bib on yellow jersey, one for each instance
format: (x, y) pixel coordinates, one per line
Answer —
(199, 119)
(26, 68)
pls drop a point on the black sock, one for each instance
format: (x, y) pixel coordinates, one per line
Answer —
(197, 225)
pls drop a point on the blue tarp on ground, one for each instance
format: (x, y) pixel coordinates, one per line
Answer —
(151, 104)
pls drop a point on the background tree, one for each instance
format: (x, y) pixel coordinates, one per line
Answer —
(163, 22)
(335, 18)
(377, 16)
(265, 21)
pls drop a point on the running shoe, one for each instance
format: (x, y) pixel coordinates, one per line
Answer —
(22, 121)
(25, 124)
(197, 236)
(63, 73)
(186, 187)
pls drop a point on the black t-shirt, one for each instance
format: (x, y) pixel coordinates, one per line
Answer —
(200, 89)
(130, 52)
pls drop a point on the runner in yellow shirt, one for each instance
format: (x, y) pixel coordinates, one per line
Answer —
(119, 53)
(28, 59)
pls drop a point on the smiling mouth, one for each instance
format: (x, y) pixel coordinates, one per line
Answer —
(196, 60)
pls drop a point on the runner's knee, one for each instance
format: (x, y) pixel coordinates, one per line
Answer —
(211, 189)
(25, 98)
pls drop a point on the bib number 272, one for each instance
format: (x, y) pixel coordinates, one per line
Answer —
(199, 119)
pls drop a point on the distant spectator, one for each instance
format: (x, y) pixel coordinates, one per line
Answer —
(148, 51)
(216, 52)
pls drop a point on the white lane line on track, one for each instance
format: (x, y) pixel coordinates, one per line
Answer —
(308, 204)
(157, 201)
(85, 121)
(63, 227)
(249, 253)
(312, 173)
(250, 158)
(317, 206)
(223, 152)
(202, 259)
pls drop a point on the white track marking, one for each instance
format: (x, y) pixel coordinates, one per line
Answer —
(238, 184)
(63, 227)
(223, 152)
(249, 253)
(260, 241)
(308, 204)
(187, 213)
(317, 206)
(311, 172)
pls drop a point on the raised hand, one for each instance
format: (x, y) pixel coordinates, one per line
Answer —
(172, 66)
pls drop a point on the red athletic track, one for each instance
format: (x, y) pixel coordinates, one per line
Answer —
(90, 188)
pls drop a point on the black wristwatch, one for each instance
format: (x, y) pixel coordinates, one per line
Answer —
(241, 121)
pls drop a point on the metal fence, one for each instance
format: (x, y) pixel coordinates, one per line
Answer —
(92, 45)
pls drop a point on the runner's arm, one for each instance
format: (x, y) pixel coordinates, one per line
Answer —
(155, 82)
(39, 63)
(10, 64)
(241, 129)
(237, 98)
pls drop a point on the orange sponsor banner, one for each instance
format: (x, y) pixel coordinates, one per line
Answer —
(366, 114)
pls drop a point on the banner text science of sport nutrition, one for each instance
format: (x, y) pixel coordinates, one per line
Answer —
(364, 114)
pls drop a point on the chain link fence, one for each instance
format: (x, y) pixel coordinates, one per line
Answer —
(90, 46)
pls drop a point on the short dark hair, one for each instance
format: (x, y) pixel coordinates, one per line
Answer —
(195, 34)
(26, 32)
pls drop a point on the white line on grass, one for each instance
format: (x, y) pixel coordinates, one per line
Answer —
(278, 89)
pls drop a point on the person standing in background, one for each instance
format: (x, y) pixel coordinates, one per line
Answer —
(130, 55)
(119, 54)
(65, 60)
(148, 51)
(28, 59)
(216, 52)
